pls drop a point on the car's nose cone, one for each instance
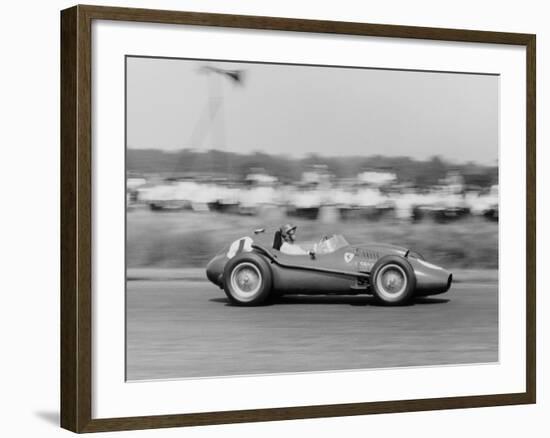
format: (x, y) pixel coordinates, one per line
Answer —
(431, 279)
(449, 282)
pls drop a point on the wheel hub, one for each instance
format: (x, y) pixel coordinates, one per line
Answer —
(247, 279)
(392, 281)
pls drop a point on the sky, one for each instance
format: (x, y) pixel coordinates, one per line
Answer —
(300, 110)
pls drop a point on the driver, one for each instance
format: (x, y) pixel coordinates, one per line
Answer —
(288, 246)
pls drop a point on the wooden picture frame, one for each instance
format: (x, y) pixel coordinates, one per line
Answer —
(76, 217)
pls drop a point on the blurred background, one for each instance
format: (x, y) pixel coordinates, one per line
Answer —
(215, 150)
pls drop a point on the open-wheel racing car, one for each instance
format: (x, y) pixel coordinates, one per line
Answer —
(250, 271)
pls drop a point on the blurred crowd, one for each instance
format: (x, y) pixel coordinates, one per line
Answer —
(371, 195)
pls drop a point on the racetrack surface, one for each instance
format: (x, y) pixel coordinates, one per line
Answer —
(181, 328)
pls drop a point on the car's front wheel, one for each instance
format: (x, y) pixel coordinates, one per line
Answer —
(247, 280)
(393, 280)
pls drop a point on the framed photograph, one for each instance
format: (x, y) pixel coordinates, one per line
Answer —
(270, 218)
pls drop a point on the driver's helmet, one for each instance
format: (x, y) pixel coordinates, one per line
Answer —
(287, 232)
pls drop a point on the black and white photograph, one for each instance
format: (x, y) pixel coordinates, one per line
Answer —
(275, 219)
(304, 218)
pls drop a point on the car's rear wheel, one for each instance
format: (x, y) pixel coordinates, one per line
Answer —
(393, 281)
(247, 280)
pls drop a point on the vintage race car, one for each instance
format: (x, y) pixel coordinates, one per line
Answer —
(250, 270)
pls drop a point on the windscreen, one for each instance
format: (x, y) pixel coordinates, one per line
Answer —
(331, 244)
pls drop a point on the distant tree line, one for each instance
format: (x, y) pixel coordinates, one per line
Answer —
(287, 169)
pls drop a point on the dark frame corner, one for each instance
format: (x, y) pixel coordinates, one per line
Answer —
(76, 239)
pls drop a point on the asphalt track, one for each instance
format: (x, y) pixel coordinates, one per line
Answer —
(179, 328)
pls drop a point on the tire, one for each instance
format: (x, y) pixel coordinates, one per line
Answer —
(393, 280)
(247, 280)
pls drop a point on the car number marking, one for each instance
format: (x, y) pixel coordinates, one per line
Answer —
(240, 245)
